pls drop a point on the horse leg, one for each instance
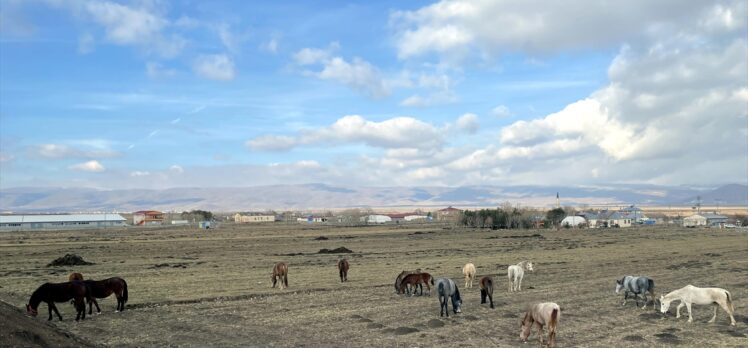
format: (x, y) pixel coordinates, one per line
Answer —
(714, 317)
(644, 296)
(540, 332)
(49, 307)
(625, 297)
(490, 298)
(285, 280)
(54, 308)
(677, 309)
(727, 309)
(688, 306)
(519, 284)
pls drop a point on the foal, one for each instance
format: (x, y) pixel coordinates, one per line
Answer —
(280, 274)
(486, 290)
(541, 314)
(343, 269)
(469, 271)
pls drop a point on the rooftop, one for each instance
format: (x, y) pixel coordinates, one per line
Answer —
(6, 219)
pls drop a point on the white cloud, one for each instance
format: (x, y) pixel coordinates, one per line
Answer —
(176, 169)
(468, 123)
(90, 166)
(62, 151)
(85, 43)
(139, 173)
(311, 56)
(358, 74)
(501, 111)
(156, 70)
(215, 67)
(271, 45)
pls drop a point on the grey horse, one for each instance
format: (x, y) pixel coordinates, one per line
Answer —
(447, 288)
(636, 286)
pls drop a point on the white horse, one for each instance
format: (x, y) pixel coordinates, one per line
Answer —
(516, 273)
(469, 271)
(690, 294)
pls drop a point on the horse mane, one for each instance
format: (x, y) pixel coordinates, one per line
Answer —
(36, 296)
(457, 294)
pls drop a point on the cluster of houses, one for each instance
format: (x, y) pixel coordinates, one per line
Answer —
(446, 214)
(632, 215)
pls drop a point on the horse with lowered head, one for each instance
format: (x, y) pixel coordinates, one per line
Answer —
(415, 280)
(343, 267)
(59, 292)
(689, 295)
(541, 314)
(486, 289)
(516, 273)
(280, 274)
(637, 286)
(446, 289)
(469, 272)
(401, 276)
(105, 288)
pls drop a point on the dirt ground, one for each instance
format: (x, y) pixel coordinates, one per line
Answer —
(199, 288)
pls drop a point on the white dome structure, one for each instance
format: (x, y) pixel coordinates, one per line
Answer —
(573, 221)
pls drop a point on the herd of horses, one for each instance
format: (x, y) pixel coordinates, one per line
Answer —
(79, 291)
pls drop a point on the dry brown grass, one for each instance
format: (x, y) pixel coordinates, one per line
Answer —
(196, 288)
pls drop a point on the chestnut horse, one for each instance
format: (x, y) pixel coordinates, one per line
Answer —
(486, 290)
(280, 274)
(416, 279)
(541, 314)
(75, 276)
(399, 279)
(103, 289)
(59, 292)
(343, 267)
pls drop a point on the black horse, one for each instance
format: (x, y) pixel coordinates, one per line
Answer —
(59, 292)
(103, 289)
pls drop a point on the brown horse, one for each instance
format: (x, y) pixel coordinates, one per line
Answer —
(486, 290)
(75, 276)
(280, 274)
(541, 314)
(343, 267)
(59, 292)
(103, 289)
(399, 279)
(416, 279)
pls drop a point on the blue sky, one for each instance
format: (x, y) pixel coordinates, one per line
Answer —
(159, 94)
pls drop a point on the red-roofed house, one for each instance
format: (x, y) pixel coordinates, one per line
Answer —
(147, 217)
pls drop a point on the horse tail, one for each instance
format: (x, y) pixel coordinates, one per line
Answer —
(124, 293)
(554, 320)
(729, 301)
(650, 284)
(432, 280)
(489, 286)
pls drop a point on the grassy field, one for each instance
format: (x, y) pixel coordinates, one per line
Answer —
(195, 288)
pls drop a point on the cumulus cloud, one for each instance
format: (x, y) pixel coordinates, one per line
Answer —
(468, 123)
(399, 132)
(215, 67)
(90, 166)
(138, 173)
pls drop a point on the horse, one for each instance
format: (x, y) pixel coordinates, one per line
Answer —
(516, 273)
(343, 267)
(637, 286)
(103, 289)
(280, 274)
(690, 294)
(416, 279)
(399, 279)
(541, 314)
(469, 271)
(446, 289)
(75, 276)
(59, 292)
(486, 289)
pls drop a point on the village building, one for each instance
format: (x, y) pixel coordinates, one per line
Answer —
(243, 219)
(61, 221)
(147, 217)
(705, 219)
(449, 214)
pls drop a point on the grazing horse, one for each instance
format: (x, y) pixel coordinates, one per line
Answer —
(637, 286)
(486, 290)
(541, 314)
(399, 280)
(690, 294)
(516, 273)
(103, 289)
(446, 289)
(343, 267)
(280, 274)
(416, 279)
(59, 292)
(469, 271)
(75, 276)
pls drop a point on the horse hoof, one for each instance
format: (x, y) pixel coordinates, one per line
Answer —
(116, 311)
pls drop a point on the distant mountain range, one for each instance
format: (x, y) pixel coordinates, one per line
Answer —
(321, 196)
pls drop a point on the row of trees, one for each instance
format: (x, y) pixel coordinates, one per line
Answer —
(508, 217)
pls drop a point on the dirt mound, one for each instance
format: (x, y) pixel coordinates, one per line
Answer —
(321, 238)
(403, 330)
(19, 330)
(434, 323)
(69, 260)
(634, 338)
(341, 250)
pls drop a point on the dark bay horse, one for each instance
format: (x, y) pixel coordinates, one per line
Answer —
(59, 292)
(75, 276)
(343, 267)
(414, 280)
(280, 274)
(103, 289)
(486, 290)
